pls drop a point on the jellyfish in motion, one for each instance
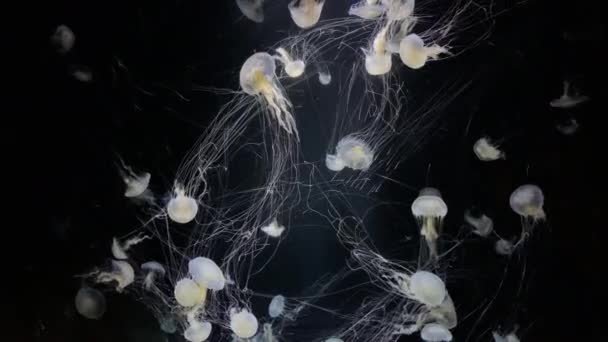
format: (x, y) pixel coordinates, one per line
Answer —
(486, 151)
(293, 68)
(257, 77)
(197, 331)
(277, 306)
(90, 303)
(414, 53)
(188, 294)
(482, 224)
(351, 152)
(430, 209)
(206, 273)
(504, 247)
(119, 249)
(378, 60)
(527, 201)
(252, 9)
(243, 323)
(182, 208)
(153, 270)
(122, 273)
(568, 100)
(427, 288)
(367, 9)
(510, 337)
(324, 77)
(273, 229)
(63, 39)
(305, 13)
(81, 73)
(434, 332)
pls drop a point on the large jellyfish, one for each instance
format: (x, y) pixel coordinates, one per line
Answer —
(258, 77)
(182, 208)
(206, 273)
(568, 100)
(351, 152)
(63, 39)
(188, 293)
(486, 151)
(243, 323)
(252, 9)
(122, 273)
(274, 229)
(305, 13)
(378, 60)
(90, 303)
(430, 209)
(414, 53)
(293, 68)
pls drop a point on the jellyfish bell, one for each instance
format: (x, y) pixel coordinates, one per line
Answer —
(90, 303)
(305, 13)
(182, 208)
(429, 204)
(334, 339)
(293, 68)
(333, 163)
(365, 9)
(504, 247)
(324, 78)
(63, 39)
(567, 100)
(137, 184)
(252, 9)
(206, 273)
(378, 64)
(527, 201)
(197, 331)
(273, 229)
(243, 323)
(427, 288)
(482, 225)
(511, 337)
(414, 54)
(277, 306)
(167, 324)
(486, 151)
(351, 152)
(154, 270)
(188, 294)
(434, 332)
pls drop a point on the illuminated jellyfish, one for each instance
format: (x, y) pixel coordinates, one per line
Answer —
(434, 332)
(273, 229)
(482, 225)
(367, 9)
(137, 184)
(510, 337)
(119, 249)
(305, 13)
(197, 331)
(414, 53)
(81, 73)
(569, 127)
(427, 288)
(153, 270)
(252, 9)
(351, 152)
(122, 273)
(430, 209)
(527, 201)
(504, 247)
(63, 39)
(188, 293)
(90, 303)
(334, 339)
(292, 68)
(182, 208)
(324, 75)
(486, 151)
(567, 100)
(206, 273)
(277, 306)
(378, 60)
(243, 323)
(257, 77)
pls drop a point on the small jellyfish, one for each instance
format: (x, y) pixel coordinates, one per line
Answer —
(504, 247)
(197, 331)
(90, 303)
(334, 339)
(482, 225)
(367, 9)
(167, 324)
(378, 60)
(188, 293)
(293, 68)
(122, 273)
(414, 54)
(430, 209)
(63, 39)
(206, 273)
(81, 73)
(568, 128)
(257, 77)
(427, 288)
(324, 78)
(182, 208)
(136, 184)
(119, 249)
(527, 201)
(511, 337)
(568, 100)
(252, 9)
(276, 307)
(153, 270)
(305, 13)
(243, 323)
(486, 151)
(273, 229)
(434, 332)
(351, 152)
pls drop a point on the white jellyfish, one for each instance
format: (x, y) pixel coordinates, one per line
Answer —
(122, 273)
(378, 60)
(482, 225)
(486, 151)
(527, 201)
(81, 73)
(257, 77)
(351, 152)
(434, 332)
(324, 78)
(90, 303)
(334, 339)
(504, 247)
(511, 337)
(63, 39)
(188, 293)
(273, 229)
(568, 128)
(276, 307)
(293, 68)
(427, 288)
(568, 100)
(153, 270)
(414, 54)
(206, 273)
(367, 9)
(305, 13)
(182, 208)
(197, 331)
(252, 9)
(243, 323)
(136, 184)
(430, 209)
(119, 249)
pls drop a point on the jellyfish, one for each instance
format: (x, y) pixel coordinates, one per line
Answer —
(483, 225)
(122, 273)
(197, 331)
(243, 323)
(119, 249)
(324, 77)
(486, 151)
(305, 13)
(273, 229)
(293, 68)
(63, 39)
(367, 9)
(206, 273)
(153, 270)
(414, 54)
(434, 332)
(378, 60)
(81, 73)
(257, 77)
(445, 313)
(427, 288)
(334, 339)
(430, 209)
(276, 307)
(567, 100)
(136, 184)
(188, 293)
(527, 201)
(351, 152)
(90, 303)
(568, 128)
(167, 324)
(510, 337)
(182, 208)
(252, 9)
(504, 247)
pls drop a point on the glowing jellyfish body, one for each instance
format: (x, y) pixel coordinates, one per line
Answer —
(293, 68)
(334, 339)
(511, 337)
(81, 73)
(485, 151)
(378, 60)
(351, 152)
(206, 273)
(367, 10)
(430, 209)
(434, 332)
(63, 39)
(122, 273)
(324, 78)
(136, 184)
(273, 229)
(197, 331)
(154, 270)
(427, 288)
(276, 307)
(188, 294)
(527, 201)
(90, 303)
(257, 77)
(414, 54)
(182, 208)
(305, 13)
(504, 247)
(252, 9)
(567, 100)
(243, 323)
(482, 225)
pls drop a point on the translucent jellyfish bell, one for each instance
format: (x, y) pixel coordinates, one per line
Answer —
(324, 78)
(122, 273)
(167, 324)
(243, 323)
(504, 247)
(427, 288)
(293, 68)
(351, 152)
(276, 307)
(334, 339)
(90, 303)
(482, 225)
(273, 229)
(198, 331)
(429, 204)
(305, 13)
(527, 201)
(252, 9)
(568, 100)
(366, 10)
(378, 60)
(182, 208)
(511, 337)
(81, 73)
(486, 151)
(137, 184)
(206, 273)
(414, 54)
(434, 332)
(63, 39)
(188, 294)
(154, 270)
